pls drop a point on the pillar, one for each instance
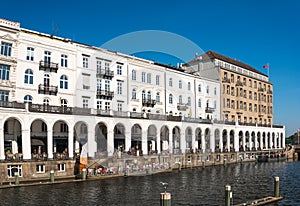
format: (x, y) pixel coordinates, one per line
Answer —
(144, 141)
(170, 142)
(158, 143)
(236, 141)
(212, 141)
(2, 154)
(92, 144)
(182, 141)
(203, 144)
(110, 141)
(221, 142)
(26, 144)
(71, 142)
(50, 143)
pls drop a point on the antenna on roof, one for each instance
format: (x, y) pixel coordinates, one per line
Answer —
(54, 30)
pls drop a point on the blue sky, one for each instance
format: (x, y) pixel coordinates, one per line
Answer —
(255, 32)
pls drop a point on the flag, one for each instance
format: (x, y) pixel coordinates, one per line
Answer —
(266, 66)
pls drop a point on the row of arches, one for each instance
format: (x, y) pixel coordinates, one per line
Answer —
(63, 138)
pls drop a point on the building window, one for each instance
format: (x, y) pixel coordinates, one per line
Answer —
(28, 77)
(28, 99)
(189, 86)
(30, 54)
(170, 99)
(63, 103)
(199, 88)
(6, 48)
(207, 89)
(199, 102)
(207, 104)
(99, 84)
(134, 94)
(149, 78)
(46, 102)
(119, 87)
(133, 75)
(99, 104)
(232, 78)
(3, 96)
(250, 107)
(232, 104)
(63, 82)
(245, 119)
(180, 99)
(149, 95)
(180, 84)
(143, 95)
(85, 103)
(170, 82)
(4, 72)
(107, 85)
(157, 97)
(61, 167)
(107, 106)
(99, 65)
(157, 78)
(215, 104)
(40, 168)
(119, 107)
(64, 60)
(143, 77)
(47, 56)
(85, 62)
(215, 91)
(12, 169)
(189, 101)
(119, 69)
(106, 66)
(63, 127)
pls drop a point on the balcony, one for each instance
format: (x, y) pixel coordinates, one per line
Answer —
(209, 110)
(182, 107)
(50, 90)
(225, 80)
(49, 109)
(261, 89)
(174, 118)
(14, 105)
(48, 66)
(106, 74)
(148, 102)
(102, 94)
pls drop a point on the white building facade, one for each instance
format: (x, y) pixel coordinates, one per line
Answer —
(60, 97)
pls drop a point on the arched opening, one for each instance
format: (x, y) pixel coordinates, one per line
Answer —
(38, 137)
(231, 138)
(224, 137)
(207, 140)
(253, 141)
(164, 139)
(151, 139)
(273, 141)
(80, 140)
(12, 139)
(136, 139)
(247, 143)
(119, 137)
(176, 140)
(241, 142)
(101, 139)
(259, 144)
(60, 140)
(198, 138)
(217, 141)
(264, 140)
(188, 139)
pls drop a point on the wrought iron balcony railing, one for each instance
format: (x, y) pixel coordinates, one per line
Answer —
(48, 66)
(50, 90)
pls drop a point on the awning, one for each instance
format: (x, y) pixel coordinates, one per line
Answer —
(37, 142)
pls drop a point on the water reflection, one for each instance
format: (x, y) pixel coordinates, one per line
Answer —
(197, 186)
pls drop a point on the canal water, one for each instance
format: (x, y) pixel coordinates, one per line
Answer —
(196, 186)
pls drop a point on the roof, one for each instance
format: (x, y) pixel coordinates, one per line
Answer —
(214, 55)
